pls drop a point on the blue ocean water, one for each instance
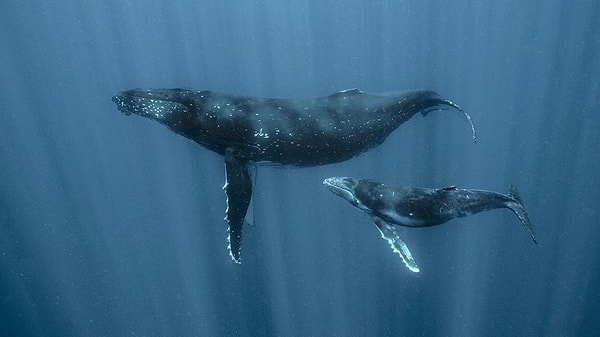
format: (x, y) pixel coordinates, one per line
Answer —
(111, 225)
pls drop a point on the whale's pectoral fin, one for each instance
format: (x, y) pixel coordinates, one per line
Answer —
(238, 188)
(389, 233)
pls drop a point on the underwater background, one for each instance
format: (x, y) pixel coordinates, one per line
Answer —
(111, 225)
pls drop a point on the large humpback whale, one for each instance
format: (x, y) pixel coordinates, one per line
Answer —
(420, 207)
(305, 132)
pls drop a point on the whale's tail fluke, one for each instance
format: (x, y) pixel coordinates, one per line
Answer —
(517, 207)
(452, 104)
(444, 102)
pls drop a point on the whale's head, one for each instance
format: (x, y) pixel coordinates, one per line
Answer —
(345, 187)
(173, 108)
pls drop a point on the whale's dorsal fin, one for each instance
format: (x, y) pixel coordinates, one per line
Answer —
(389, 233)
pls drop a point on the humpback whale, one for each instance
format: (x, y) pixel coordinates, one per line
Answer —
(420, 207)
(305, 132)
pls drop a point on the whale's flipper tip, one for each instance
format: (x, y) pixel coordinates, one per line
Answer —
(389, 233)
(234, 253)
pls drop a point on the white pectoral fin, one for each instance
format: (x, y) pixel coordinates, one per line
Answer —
(238, 188)
(389, 233)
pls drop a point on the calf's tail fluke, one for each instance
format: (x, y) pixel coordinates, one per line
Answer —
(517, 207)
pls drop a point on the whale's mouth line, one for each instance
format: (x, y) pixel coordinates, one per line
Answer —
(122, 96)
(155, 94)
(334, 184)
(339, 186)
(141, 102)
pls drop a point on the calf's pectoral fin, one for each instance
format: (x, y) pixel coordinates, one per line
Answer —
(238, 188)
(389, 233)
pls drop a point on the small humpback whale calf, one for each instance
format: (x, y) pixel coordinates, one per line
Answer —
(303, 132)
(420, 207)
